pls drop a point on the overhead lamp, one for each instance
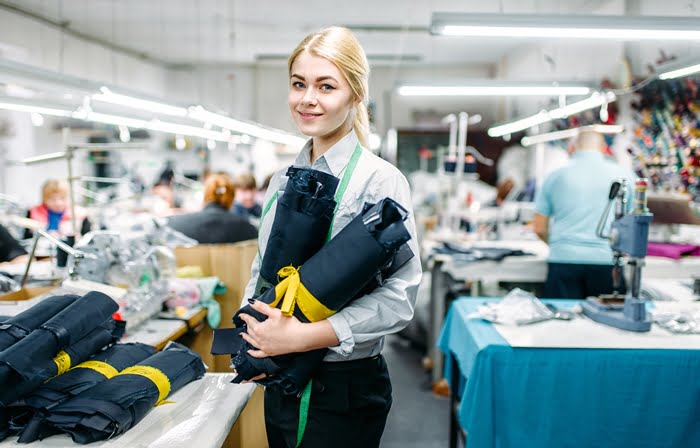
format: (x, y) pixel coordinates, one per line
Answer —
(488, 87)
(115, 120)
(201, 114)
(183, 129)
(569, 133)
(108, 96)
(595, 100)
(17, 104)
(678, 73)
(630, 28)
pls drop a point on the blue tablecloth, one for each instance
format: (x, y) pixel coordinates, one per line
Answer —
(544, 397)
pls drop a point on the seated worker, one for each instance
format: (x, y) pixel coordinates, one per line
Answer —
(568, 207)
(54, 211)
(246, 205)
(215, 224)
(10, 249)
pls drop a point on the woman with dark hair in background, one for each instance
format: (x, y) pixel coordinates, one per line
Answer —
(215, 224)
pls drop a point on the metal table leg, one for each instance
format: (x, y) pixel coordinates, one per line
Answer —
(438, 292)
(455, 427)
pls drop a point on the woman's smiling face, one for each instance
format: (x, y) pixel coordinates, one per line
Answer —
(320, 98)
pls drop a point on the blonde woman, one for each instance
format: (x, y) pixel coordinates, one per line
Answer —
(54, 211)
(351, 393)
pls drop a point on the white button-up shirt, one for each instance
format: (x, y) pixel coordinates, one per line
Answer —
(363, 323)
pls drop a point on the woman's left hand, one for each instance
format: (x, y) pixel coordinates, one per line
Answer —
(277, 335)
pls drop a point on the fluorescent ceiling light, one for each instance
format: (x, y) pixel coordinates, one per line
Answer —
(569, 133)
(566, 26)
(115, 120)
(680, 72)
(108, 96)
(595, 100)
(201, 114)
(513, 90)
(183, 129)
(19, 106)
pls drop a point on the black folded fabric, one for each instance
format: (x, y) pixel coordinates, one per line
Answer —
(114, 406)
(29, 370)
(302, 220)
(470, 254)
(70, 337)
(12, 329)
(4, 429)
(99, 368)
(336, 275)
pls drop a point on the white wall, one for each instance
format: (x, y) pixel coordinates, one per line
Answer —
(30, 42)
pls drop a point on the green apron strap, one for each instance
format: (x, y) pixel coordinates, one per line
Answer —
(262, 216)
(349, 169)
(303, 412)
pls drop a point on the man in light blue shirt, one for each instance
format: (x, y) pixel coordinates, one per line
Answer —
(568, 207)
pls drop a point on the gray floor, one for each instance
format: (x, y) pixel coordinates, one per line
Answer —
(417, 418)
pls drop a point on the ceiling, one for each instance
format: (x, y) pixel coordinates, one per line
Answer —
(187, 32)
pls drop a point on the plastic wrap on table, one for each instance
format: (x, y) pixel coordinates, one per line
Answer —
(80, 327)
(116, 405)
(333, 277)
(13, 329)
(26, 413)
(302, 220)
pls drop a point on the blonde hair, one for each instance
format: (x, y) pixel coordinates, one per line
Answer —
(340, 46)
(220, 190)
(52, 187)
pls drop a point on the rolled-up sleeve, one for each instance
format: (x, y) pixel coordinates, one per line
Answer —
(389, 308)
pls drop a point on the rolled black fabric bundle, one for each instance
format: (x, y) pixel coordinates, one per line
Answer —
(3, 424)
(12, 329)
(29, 370)
(85, 375)
(340, 272)
(84, 326)
(302, 220)
(114, 406)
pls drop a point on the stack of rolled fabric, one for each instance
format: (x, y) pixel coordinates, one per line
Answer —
(369, 249)
(27, 413)
(302, 221)
(68, 338)
(12, 329)
(301, 226)
(115, 405)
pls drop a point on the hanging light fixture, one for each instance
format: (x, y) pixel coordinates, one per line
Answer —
(550, 26)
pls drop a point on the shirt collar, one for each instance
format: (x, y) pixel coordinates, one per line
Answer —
(587, 153)
(336, 158)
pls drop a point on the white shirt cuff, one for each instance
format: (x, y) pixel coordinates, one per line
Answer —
(344, 334)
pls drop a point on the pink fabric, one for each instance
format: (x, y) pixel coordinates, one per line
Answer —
(675, 251)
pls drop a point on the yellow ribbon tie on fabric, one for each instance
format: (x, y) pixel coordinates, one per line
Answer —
(156, 376)
(100, 367)
(62, 361)
(294, 293)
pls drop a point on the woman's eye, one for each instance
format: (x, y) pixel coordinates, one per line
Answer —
(298, 84)
(327, 87)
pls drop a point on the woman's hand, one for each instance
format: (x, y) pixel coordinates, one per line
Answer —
(278, 335)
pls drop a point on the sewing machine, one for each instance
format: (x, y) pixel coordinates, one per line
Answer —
(628, 238)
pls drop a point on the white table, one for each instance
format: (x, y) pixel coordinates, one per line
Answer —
(201, 416)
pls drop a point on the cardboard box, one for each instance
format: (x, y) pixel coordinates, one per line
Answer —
(231, 263)
(25, 293)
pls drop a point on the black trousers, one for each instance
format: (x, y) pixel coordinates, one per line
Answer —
(349, 405)
(578, 281)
